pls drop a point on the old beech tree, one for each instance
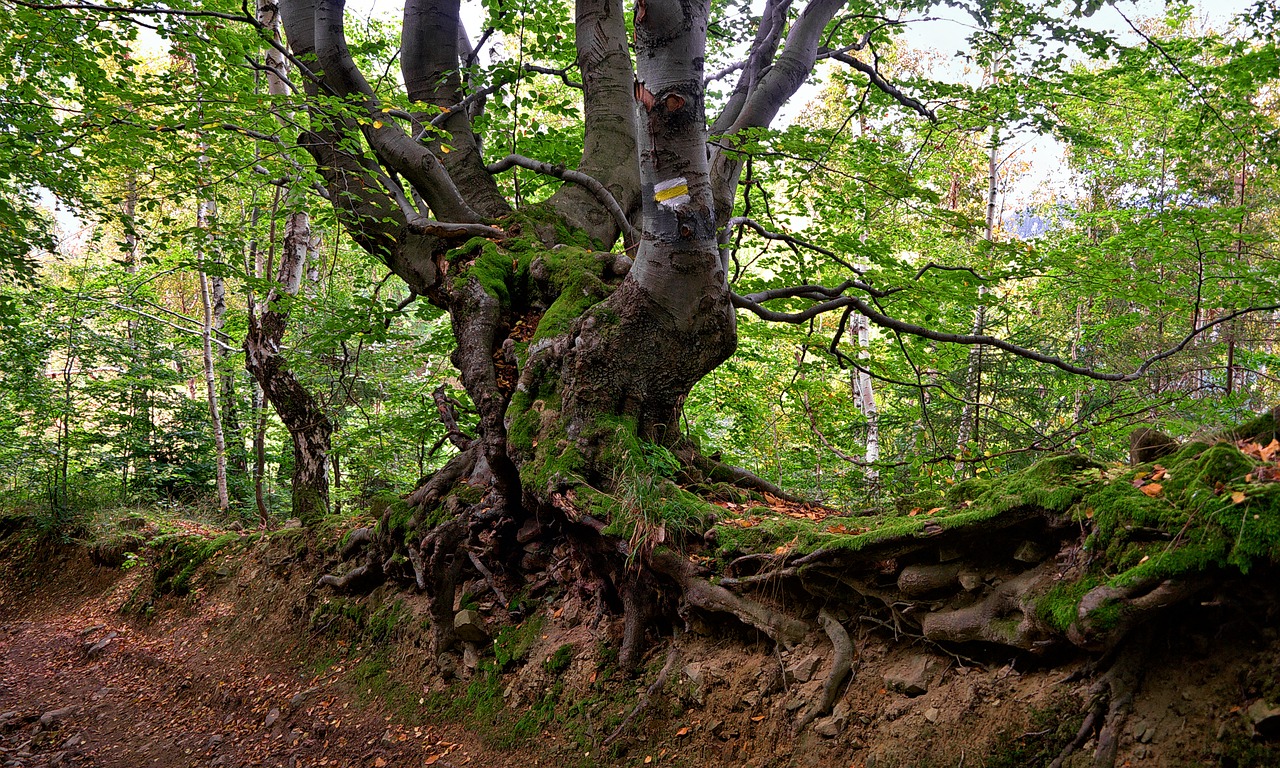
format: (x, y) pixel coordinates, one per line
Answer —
(572, 354)
(583, 322)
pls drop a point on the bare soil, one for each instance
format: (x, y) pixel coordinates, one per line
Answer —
(240, 673)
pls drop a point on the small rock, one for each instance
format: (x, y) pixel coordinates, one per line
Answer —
(388, 738)
(74, 741)
(802, 670)
(300, 697)
(931, 714)
(531, 530)
(751, 699)
(827, 727)
(90, 630)
(272, 717)
(1029, 552)
(693, 671)
(910, 677)
(55, 716)
(470, 656)
(1264, 720)
(794, 703)
(470, 627)
(92, 651)
(293, 522)
(214, 741)
(969, 580)
(295, 736)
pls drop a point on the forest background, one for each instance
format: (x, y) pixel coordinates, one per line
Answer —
(1094, 201)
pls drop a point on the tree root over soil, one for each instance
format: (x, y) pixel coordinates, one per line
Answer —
(1022, 575)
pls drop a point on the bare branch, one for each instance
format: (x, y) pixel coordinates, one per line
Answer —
(597, 189)
(892, 323)
(884, 85)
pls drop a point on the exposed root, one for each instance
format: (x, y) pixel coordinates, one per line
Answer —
(356, 541)
(1096, 629)
(702, 594)
(673, 658)
(442, 480)
(634, 620)
(1001, 617)
(353, 576)
(726, 473)
(841, 663)
(487, 575)
(442, 561)
(1110, 701)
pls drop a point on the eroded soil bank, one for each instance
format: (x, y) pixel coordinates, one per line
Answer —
(253, 665)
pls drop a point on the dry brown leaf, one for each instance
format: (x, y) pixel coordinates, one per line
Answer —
(935, 509)
(431, 760)
(1152, 489)
(683, 731)
(648, 759)
(1237, 497)
(1270, 451)
(758, 718)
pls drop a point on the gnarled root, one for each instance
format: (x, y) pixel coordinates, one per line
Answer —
(1110, 701)
(442, 559)
(1001, 617)
(702, 594)
(841, 663)
(1098, 629)
(355, 576)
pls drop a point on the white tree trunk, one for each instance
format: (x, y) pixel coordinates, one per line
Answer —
(205, 211)
(863, 394)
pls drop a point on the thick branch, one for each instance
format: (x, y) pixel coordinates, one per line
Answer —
(610, 138)
(598, 190)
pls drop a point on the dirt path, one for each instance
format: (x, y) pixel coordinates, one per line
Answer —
(81, 686)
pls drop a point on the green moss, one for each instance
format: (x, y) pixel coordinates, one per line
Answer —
(560, 660)
(178, 557)
(1261, 430)
(1059, 607)
(920, 500)
(514, 642)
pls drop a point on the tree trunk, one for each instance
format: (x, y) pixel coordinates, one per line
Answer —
(308, 425)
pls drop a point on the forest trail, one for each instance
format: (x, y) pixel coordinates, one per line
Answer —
(80, 685)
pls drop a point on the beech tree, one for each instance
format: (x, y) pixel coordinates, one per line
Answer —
(583, 319)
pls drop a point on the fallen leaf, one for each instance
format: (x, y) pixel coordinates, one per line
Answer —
(683, 731)
(648, 759)
(1152, 489)
(380, 763)
(431, 760)
(1272, 448)
(935, 509)
(758, 718)
(1237, 497)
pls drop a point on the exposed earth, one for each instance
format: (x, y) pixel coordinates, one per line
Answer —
(254, 665)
